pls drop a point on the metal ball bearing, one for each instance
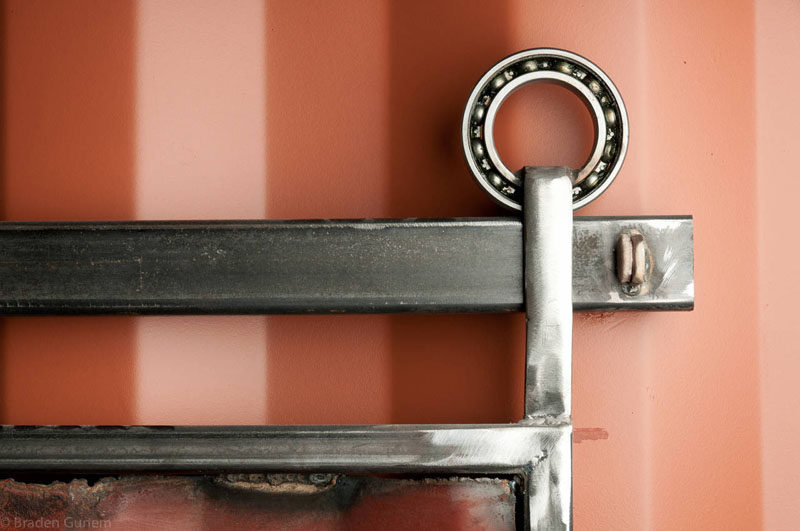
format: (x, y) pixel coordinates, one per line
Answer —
(570, 70)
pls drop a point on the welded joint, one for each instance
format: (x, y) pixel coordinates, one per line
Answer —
(633, 258)
(548, 485)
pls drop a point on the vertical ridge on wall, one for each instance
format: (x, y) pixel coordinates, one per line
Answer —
(778, 144)
(3, 171)
(327, 137)
(704, 379)
(446, 368)
(201, 155)
(68, 76)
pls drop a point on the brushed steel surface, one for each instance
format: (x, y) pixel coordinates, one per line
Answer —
(363, 266)
(485, 448)
(548, 291)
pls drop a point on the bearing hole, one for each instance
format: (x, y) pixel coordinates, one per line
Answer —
(543, 124)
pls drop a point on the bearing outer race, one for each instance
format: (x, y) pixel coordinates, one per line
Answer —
(557, 66)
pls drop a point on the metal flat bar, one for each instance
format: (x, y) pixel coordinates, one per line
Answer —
(547, 237)
(547, 207)
(485, 448)
(367, 266)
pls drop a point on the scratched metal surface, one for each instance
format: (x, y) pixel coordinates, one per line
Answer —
(669, 282)
(385, 266)
(489, 448)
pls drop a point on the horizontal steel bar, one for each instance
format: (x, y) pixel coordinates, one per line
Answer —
(367, 266)
(486, 448)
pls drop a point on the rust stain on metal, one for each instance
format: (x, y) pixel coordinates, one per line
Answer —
(278, 483)
(594, 317)
(76, 498)
(272, 501)
(588, 434)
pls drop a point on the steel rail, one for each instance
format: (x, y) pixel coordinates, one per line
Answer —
(364, 266)
(484, 448)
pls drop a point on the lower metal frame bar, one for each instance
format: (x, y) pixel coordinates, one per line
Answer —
(536, 454)
(367, 266)
(483, 448)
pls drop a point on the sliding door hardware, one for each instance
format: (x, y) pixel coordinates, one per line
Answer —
(547, 264)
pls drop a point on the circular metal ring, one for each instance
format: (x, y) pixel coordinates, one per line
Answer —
(567, 69)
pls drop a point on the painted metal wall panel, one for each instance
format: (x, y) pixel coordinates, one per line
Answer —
(150, 109)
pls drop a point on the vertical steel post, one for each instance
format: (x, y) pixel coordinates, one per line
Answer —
(547, 230)
(548, 291)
